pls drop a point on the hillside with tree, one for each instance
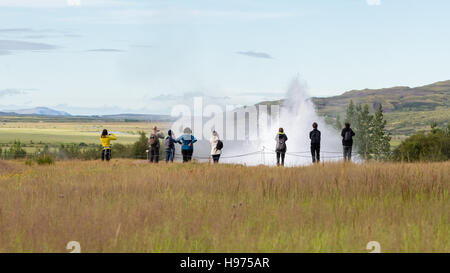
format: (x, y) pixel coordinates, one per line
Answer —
(406, 110)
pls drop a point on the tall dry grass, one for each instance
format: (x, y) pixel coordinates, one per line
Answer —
(131, 206)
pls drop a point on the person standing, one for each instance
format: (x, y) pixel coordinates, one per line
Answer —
(315, 135)
(216, 147)
(347, 141)
(187, 141)
(281, 148)
(106, 138)
(169, 145)
(153, 141)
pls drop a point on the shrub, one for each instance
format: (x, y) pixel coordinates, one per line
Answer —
(16, 151)
(432, 146)
(140, 146)
(45, 159)
(123, 151)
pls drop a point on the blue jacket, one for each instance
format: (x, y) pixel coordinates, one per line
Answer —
(184, 140)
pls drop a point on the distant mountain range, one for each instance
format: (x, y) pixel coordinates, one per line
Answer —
(137, 117)
(48, 112)
(38, 111)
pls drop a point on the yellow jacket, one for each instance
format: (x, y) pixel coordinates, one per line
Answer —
(106, 140)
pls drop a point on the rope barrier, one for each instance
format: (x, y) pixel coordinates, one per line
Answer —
(262, 152)
(306, 152)
(270, 152)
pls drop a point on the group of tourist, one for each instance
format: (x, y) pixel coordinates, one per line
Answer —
(187, 141)
(347, 135)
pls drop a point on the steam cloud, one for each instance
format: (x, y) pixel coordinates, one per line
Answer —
(297, 114)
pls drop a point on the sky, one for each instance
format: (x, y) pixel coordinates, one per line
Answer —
(144, 56)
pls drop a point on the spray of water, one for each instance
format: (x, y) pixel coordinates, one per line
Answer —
(297, 113)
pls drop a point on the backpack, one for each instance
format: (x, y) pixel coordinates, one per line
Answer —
(315, 137)
(219, 145)
(281, 145)
(348, 135)
(153, 140)
(168, 142)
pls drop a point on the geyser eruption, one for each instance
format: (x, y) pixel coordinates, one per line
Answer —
(296, 115)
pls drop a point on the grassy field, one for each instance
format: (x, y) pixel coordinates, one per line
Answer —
(132, 206)
(37, 134)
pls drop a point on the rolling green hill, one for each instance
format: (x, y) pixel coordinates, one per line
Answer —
(407, 110)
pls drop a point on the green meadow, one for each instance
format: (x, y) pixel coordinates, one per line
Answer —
(37, 134)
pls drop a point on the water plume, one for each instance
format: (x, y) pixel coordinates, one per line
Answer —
(296, 115)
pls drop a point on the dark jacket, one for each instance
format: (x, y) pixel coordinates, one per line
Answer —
(314, 135)
(348, 143)
(169, 143)
(281, 139)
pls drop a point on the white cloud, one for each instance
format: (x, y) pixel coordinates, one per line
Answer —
(254, 54)
(15, 30)
(11, 92)
(30, 33)
(8, 46)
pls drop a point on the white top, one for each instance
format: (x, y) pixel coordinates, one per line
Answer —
(214, 139)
